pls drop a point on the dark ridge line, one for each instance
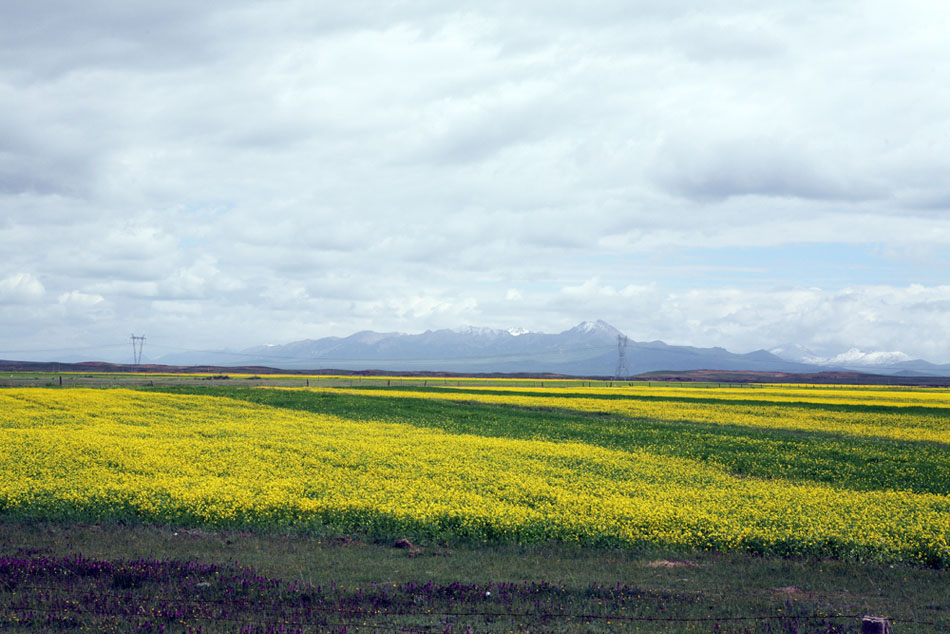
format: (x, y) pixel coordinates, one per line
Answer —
(830, 377)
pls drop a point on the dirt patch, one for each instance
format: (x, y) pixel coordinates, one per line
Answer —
(789, 591)
(671, 563)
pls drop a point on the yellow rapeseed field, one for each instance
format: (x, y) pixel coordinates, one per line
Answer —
(199, 460)
(850, 395)
(753, 408)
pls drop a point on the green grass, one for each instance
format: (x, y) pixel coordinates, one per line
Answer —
(531, 588)
(130, 379)
(840, 460)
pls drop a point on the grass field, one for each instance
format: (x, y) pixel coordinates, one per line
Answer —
(709, 481)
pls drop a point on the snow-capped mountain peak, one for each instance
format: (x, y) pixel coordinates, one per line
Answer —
(478, 331)
(595, 327)
(798, 353)
(855, 356)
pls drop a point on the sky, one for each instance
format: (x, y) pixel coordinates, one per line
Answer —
(218, 175)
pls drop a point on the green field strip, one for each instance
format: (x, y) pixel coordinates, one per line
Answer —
(900, 425)
(848, 462)
(916, 410)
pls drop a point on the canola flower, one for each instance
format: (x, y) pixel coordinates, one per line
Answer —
(889, 396)
(198, 460)
(931, 425)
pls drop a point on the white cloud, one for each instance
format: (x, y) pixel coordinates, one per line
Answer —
(177, 308)
(424, 306)
(201, 279)
(908, 319)
(21, 288)
(303, 170)
(80, 300)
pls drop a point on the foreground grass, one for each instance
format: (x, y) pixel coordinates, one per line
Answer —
(133, 579)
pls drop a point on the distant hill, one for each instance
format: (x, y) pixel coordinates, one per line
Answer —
(588, 349)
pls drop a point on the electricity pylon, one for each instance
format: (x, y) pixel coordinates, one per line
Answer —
(622, 371)
(137, 344)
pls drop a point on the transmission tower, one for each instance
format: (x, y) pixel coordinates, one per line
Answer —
(622, 371)
(137, 344)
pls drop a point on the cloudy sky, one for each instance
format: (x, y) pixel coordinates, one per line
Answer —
(708, 172)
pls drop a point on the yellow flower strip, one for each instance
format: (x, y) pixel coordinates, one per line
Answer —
(196, 459)
(898, 426)
(868, 395)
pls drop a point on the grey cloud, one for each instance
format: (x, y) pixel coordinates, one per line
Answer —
(43, 41)
(705, 39)
(41, 158)
(929, 201)
(343, 285)
(489, 133)
(754, 167)
(402, 166)
(43, 175)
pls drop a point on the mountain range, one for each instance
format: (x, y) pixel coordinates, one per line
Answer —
(588, 349)
(854, 359)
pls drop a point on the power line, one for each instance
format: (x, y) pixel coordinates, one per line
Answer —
(263, 356)
(77, 349)
(552, 355)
